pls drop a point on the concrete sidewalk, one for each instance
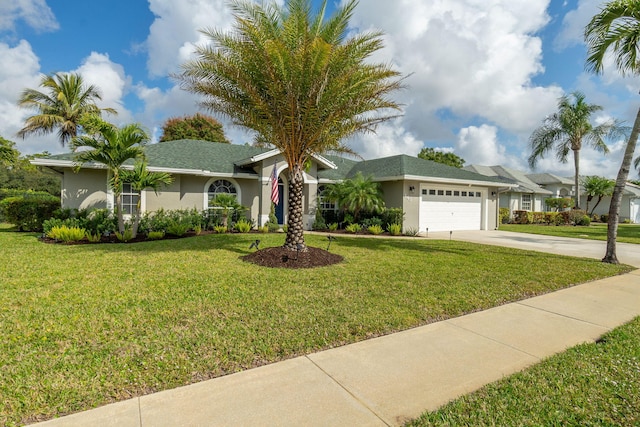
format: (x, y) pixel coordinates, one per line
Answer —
(391, 379)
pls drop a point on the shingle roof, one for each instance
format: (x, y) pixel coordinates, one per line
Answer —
(402, 165)
(525, 185)
(548, 178)
(213, 157)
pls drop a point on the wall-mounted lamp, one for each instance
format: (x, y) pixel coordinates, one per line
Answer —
(493, 193)
(411, 188)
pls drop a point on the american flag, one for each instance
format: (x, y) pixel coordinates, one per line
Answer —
(275, 194)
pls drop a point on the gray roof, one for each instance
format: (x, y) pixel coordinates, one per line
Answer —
(549, 178)
(525, 184)
(210, 157)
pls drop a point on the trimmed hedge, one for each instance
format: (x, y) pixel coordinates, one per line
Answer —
(30, 210)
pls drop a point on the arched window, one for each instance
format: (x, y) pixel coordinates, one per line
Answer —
(221, 186)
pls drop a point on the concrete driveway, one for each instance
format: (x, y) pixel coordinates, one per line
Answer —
(627, 253)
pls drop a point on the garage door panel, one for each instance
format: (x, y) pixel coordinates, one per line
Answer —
(451, 214)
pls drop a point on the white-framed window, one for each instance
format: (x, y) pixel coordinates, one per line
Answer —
(324, 204)
(129, 198)
(526, 202)
(221, 186)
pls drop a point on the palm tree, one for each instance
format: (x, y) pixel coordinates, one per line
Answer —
(111, 146)
(616, 28)
(356, 195)
(301, 82)
(226, 203)
(566, 131)
(60, 106)
(140, 179)
(597, 186)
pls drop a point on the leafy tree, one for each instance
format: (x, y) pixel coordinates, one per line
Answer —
(356, 195)
(111, 146)
(448, 159)
(559, 203)
(597, 186)
(302, 82)
(198, 126)
(61, 106)
(616, 29)
(567, 129)
(140, 179)
(8, 153)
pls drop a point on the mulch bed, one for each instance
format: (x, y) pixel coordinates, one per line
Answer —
(286, 258)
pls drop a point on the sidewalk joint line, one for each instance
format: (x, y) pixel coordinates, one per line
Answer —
(566, 316)
(539, 359)
(349, 392)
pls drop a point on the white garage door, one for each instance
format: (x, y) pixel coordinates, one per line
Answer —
(449, 209)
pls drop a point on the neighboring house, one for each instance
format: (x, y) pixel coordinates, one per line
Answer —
(526, 195)
(433, 196)
(533, 188)
(629, 205)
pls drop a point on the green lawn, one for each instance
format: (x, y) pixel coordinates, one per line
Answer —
(595, 384)
(85, 325)
(627, 233)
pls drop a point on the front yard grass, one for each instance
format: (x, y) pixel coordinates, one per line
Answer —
(596, 384)
(86, 325)
(627, 233)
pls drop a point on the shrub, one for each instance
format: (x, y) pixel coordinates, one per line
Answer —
(197, 229)
(375, 229)
(521, 217)
(66, 234)
(584, 221)
(505, 215)
(411, 232)
(559, 203)
(243, 226)
(319, 223)
(93, 238)
(220, 229)
(126, 236)
(392, 216)
(333, 226)
(604, 217)
(595, 218)
(100, 221)
(177, 227)
(155, 235)
(395, 229)
(538, 217)
(550, 217)
(353, 228)
(29, 211)
(575, 216)
(264, 229)
(285, 228)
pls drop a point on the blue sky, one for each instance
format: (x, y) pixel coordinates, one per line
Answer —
(483, 75)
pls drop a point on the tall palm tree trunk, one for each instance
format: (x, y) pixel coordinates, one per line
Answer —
(576, 178)
(616, 198)
(295, 229)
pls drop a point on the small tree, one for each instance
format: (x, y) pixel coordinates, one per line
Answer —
(559, 203)
(227, 203)
(140, 179)
(112, 147)
(8, 153)
(597, 186)
(356, 195)
(198, 126)
(448, 159)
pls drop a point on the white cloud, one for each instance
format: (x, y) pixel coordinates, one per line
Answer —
(35, 13)
(479, 145)
(176, 29)
(110, 80)
(388, 140)
(468, 58)
(573, 24)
